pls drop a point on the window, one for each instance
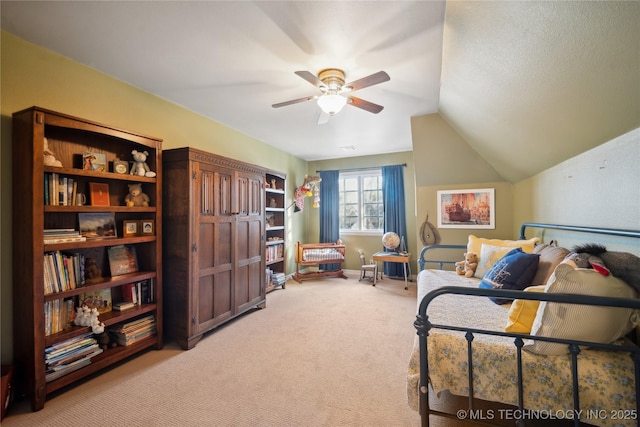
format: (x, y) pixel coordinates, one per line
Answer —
(361, 207)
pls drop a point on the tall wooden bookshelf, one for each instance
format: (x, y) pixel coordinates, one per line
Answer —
(275, 224)
(34, 210)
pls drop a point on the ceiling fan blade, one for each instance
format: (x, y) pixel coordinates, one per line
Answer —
(365, 105)
(323, 117)
(371, 80)
(293, 101)
(314, 80)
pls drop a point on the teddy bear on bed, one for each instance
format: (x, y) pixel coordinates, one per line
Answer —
(467, 267)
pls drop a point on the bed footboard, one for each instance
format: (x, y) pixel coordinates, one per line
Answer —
(315, 254)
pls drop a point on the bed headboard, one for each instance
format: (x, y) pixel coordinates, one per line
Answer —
(593, 230)
(634, 234)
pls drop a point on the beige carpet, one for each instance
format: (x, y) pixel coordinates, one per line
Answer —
(329, 352)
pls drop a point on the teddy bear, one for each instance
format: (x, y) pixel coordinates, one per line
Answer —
(140, 166)
(49, 157)
(467, 267)
(91, 269)
(136, 197)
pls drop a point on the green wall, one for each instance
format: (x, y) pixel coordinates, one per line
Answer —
(599, 187)
(35, 76)
(368, 243)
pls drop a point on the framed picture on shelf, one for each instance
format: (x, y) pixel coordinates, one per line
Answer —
(99, 194)
(99, 299)
(466, 208)
(130, 228)
(147, 227)
(94, 161)
(120, 166)
(122, 259)
(97, 225)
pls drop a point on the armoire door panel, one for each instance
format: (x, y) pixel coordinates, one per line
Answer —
(222, 242)
(223, 195)
(205, 246)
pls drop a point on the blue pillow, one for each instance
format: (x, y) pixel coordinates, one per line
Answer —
(514, 271)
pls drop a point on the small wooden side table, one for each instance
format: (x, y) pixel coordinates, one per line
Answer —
(404, 258)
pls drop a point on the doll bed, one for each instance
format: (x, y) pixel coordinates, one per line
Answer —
(315, 254)
(458, 326)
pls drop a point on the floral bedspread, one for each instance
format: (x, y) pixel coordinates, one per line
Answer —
(606, 379)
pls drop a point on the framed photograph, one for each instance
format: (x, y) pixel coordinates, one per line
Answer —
(120, 166)
(94, 161)
(99, 194)
(122, 259)
(147, 227)
(99, 299)
(466, 208)
(130, 228)
(97, 225)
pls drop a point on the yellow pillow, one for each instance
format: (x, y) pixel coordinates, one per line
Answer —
(475, 243)
(523, 312)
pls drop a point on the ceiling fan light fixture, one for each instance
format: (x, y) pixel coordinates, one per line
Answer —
(331, 103)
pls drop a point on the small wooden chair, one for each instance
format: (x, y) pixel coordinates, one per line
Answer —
(364, 267)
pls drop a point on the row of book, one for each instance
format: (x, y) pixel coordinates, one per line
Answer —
(131, 332)
(69, 355)
(63, 271)
(138, 293)
(274, 252)
(59, 190)
(58, 315)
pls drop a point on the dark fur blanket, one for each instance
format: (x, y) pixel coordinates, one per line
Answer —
(624, 265)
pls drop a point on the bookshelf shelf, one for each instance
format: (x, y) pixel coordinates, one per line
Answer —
(275, 227)
(47, 284)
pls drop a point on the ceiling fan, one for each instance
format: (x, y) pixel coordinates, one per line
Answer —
(335, 93)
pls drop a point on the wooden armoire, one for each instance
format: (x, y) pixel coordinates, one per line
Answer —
(213, 255)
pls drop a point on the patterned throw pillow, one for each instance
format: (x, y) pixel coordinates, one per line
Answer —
(515, 271)
(489, 255)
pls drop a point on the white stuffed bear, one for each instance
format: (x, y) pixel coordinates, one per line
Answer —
(140, 166)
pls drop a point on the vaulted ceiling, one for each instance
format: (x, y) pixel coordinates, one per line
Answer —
(526, 84)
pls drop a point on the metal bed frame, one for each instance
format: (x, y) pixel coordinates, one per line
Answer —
(423, 326)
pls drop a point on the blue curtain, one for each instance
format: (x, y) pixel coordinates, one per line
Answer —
(329, 211)
(394, 211)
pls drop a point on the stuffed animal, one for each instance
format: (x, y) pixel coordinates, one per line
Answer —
(468, 266)
(140, 166)
(49, 157)
(91, 269)
(136, 197)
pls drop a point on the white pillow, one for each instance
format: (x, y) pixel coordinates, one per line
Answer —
(489, 255)
(581, 322)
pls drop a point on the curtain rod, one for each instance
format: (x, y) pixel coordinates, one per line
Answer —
(362, 169)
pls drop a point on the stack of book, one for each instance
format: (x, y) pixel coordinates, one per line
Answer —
(134, 331)
(278, 279)
(62, 235)
(70, 355)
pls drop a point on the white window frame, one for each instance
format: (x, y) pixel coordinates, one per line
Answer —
(361, 174)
